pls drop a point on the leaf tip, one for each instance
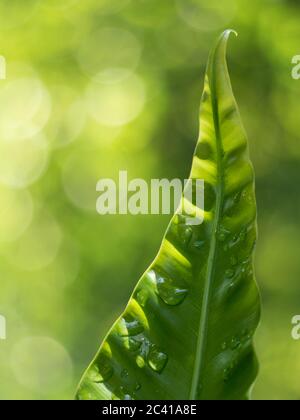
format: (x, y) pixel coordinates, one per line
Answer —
(228, 32)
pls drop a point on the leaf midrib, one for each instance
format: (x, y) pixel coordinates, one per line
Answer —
(202, 332)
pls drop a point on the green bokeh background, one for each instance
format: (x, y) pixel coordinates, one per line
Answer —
(97, 86)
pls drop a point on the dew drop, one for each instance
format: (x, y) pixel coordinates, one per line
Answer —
(226, 248)
(94, 374)
(197, 245)
(132, 327)
(237, 197)
(170, 291)
(224, 346)
(243, 235)
(123, 394)
(134, 344)
(235, 343)
(140, 361)
(142, 297)
(247, 268)
(249, 335)
(101, 372)
(138, 386)
(222, 237)
(246, 335)
(157, 360)
(229, 273)
(124, 373)
(185, 234)
(223, 234)
(106, 371)
(230, 205)
(229, 371)
(84, 394)
(245, 332)
(233, 261)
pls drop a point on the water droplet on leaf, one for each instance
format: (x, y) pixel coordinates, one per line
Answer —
(223, 234)
(243, 235)
(235, 343)
(134, 344)
(185, 233)
(157, 360)
(123, 394)
(170, 291)
(222, 237)
(233, 261)
(142, 296)
(101, 372)
(133, 327)
(124, 373)
(229, 273)
(197, 245)
(140, 361)
(94, 375)
(226, 248)
(84, 394)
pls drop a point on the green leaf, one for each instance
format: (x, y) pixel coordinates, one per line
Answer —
(187, 332)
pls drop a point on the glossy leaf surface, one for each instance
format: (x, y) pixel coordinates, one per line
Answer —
(188, 328)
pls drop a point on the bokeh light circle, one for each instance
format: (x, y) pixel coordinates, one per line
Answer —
(68, 116)
(13, 15)
(79, 177)
(150, 14)
(206, 16)
(27, 108)
(39, 244)
(65, 268)
(117, 50)
(16, 213)
(23, 161)
(58, 4)
(41, 364)
(116, 104)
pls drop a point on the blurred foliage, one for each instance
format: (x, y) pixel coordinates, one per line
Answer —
(97, 86)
